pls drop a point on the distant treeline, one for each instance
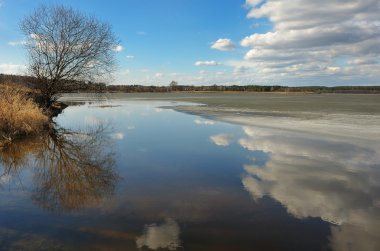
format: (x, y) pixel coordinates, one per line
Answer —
(244, 88)
(80, 86)
(77, 86)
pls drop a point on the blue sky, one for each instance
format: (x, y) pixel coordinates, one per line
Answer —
(302, 42)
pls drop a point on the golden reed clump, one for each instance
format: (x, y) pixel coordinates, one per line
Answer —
(19, 114)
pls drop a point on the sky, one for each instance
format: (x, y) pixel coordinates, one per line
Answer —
(226, 42)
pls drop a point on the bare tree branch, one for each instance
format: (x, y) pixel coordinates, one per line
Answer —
(66, 46)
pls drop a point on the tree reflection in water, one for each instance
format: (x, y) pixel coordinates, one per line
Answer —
(71, 170)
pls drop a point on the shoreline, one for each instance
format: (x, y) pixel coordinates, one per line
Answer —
(350, 126)
(226, 92)
(352, 116)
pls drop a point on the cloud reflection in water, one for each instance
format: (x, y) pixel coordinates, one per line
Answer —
(156, 236)
(221, 139)
(336, 181)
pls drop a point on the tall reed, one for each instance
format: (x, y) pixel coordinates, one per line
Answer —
(19, 114)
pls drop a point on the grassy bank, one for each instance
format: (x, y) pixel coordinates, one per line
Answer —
(19, 114)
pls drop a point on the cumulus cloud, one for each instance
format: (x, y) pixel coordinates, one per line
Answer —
(129, 57)
(223, 44)
(221, 139)
(117, 48)
(206, 63)
(336, 181)
(309, 37)
(160, 236)
(12, 69)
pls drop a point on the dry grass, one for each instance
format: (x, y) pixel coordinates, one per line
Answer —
(19, 114)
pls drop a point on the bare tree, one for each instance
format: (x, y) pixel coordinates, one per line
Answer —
(64, 47)
(173, 85)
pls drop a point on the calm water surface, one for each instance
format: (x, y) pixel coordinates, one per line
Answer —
(133, 175)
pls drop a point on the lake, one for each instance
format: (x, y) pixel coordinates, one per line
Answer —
(159, 172)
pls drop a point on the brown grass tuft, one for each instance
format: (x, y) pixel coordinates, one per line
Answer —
(19, 114)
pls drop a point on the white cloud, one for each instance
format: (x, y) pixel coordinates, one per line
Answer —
(160, 236)
(174, 74)
(206, 63)
(158, 75)
(117, 48)
(223, 44)
(12, 69)
(17, 43)
(129, 57)
(334, 69)
(221, 139)
(310, 38)
(253, 3)
(363, 61)
(34, 36)
(147, 77)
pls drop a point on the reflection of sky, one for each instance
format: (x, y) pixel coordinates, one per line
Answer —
(177, 166)
(221, 139)
(313, 177)
(165, 235)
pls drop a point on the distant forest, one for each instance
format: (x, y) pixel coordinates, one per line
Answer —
(79, 86)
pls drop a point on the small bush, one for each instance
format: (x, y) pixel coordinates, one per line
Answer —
(19, 114)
